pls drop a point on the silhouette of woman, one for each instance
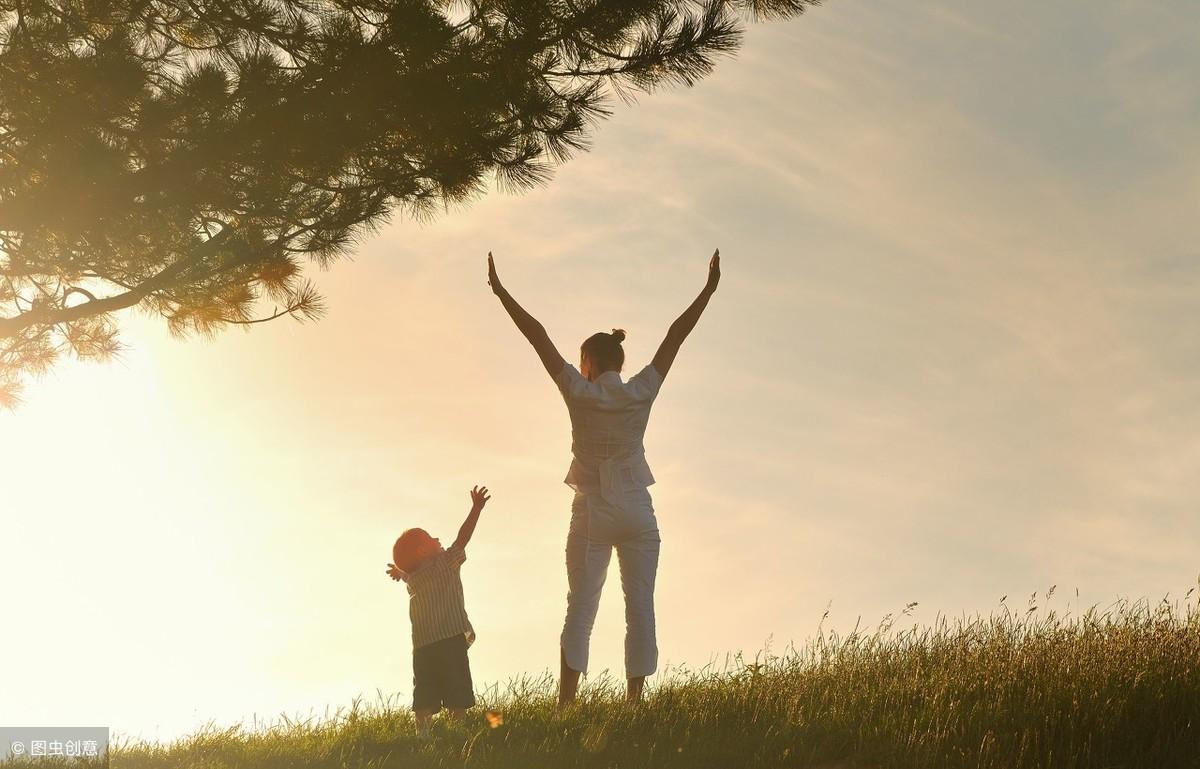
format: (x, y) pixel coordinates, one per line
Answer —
(612, 506)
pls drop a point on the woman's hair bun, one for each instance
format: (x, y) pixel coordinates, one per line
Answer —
(618, 334)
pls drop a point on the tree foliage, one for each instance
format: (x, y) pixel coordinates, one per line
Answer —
(188, 157)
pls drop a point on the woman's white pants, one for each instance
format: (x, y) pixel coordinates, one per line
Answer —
(596, 528)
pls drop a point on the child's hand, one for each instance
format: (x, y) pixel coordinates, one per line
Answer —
(394, 572)
(479, 497)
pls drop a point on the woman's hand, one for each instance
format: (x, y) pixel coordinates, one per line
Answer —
(479, 497)
(714, 272)
(493, 278)
(528, 325)
(684, 324)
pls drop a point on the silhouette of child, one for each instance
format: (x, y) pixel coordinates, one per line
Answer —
(441, 631)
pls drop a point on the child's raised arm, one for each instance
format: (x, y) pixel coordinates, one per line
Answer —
(479, 498)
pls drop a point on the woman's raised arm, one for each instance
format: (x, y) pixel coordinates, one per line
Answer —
(527, 324)
(684, 324)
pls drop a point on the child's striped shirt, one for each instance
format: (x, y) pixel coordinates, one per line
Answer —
(435, 599)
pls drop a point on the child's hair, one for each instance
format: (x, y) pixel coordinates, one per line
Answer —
(605, 349)
(406, 551)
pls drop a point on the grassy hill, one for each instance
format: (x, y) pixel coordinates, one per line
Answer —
(1118, 687)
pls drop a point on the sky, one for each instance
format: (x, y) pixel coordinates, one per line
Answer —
(954, 356)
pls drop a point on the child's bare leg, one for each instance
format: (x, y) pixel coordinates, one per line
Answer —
(424, 718)
(634, 692)
(456, 714)
(568, 680)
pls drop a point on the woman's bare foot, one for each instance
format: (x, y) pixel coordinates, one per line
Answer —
(634, 692)
(568, 681)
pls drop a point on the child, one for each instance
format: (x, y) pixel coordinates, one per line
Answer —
(440, 628)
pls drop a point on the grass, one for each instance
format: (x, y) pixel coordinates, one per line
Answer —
(1115, 687)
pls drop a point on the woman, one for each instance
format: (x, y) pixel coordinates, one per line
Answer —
(612, 507)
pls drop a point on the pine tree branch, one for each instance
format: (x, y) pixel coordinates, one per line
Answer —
(47, 316)
(78, 290)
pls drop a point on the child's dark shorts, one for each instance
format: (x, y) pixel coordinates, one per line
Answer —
(442, 675)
